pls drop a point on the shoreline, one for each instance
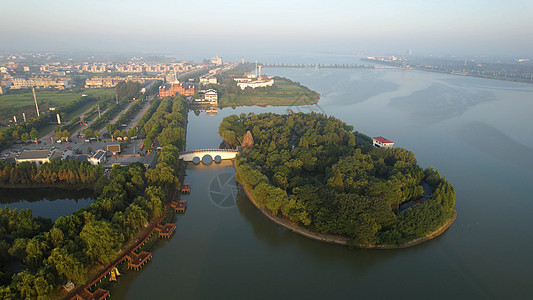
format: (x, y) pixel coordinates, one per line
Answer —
(61, 186)
(338, 239)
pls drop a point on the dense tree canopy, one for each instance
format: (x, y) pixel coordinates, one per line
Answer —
(310, 169)
(128, 90)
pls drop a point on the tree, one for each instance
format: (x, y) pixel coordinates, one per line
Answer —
(34, 134)
(89, 133)
(66, 265)
(65, 134)
(132, 132)
(163, 176)
(101, 241)
(116, 133)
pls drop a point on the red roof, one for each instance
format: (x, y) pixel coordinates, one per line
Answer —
(383, 140)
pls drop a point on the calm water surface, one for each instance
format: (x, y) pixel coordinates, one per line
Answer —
(477, 132)
(47, 203)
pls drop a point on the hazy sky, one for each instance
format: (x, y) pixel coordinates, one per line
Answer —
(232, 27)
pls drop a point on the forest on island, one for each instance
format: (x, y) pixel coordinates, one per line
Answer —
(38, 256)
(318, 172)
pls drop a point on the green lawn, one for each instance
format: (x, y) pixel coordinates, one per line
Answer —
(16, 104)
(283, 93)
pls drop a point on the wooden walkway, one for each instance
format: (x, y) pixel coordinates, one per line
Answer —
(136, 260)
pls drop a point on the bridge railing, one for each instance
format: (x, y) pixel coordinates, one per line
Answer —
(209, 150)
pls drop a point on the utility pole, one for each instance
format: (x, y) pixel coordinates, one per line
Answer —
(35, 99)
(99, 111)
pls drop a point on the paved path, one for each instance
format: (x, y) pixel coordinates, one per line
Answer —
(139, 115)
(104, 129)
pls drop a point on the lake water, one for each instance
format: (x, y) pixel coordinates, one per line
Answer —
(477, 132)
(47, 203)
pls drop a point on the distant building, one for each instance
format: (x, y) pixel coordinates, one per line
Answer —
(39, 82)
(256, 83)
(211, 96)
(174, 89)
(99, 157)
(382, 142)
(108, 81)
(217, 60)
(208, 80)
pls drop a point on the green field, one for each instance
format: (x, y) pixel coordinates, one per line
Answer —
(16, 104)
(284, 93)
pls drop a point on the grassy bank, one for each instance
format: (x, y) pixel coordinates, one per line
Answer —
(284, 92)
(17, 103)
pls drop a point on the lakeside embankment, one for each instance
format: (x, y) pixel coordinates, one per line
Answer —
(338, 239)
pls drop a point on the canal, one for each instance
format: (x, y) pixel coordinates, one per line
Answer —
(477, 132)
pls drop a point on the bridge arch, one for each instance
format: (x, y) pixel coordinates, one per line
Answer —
(200, 153)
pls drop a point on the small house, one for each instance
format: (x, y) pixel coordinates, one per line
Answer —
(98, 158)
(382, 142)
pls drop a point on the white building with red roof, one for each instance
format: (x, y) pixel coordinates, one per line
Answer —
(382, 142)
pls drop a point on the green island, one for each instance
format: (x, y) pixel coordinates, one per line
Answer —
(316, 176)
(284, 92)
(132, 204)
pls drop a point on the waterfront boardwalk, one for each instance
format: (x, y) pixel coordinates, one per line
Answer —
(136, 260)
(321, 66)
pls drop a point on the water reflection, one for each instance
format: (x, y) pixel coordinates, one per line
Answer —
(439, 102)
(47, 203)
(277, 236)
(495, 143)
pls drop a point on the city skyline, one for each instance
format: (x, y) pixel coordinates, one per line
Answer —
(233, 28)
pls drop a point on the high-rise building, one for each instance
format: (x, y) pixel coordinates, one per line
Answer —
(217, 60)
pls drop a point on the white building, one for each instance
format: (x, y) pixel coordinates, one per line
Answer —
(98, 158)
(382, 142)
(211, 96)
(256, 83)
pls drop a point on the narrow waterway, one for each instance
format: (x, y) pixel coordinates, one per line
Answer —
(477, 132)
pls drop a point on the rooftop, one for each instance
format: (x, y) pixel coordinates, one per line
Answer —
(35, 154)
(383, 140)
(99, 154)
(57, 155)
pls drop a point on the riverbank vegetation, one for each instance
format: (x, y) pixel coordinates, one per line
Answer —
(310, 169)
(37, 256)
(60, 173)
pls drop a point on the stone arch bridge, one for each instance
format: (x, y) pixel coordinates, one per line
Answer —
(213, 153)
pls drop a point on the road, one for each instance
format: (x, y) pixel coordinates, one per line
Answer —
(103, 130)
(138, 117)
